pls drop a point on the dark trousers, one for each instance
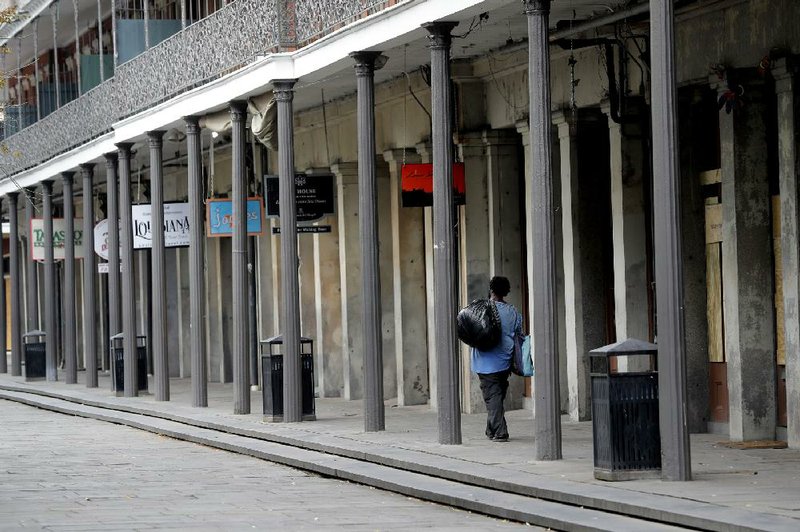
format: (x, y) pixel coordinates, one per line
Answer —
(494, 387)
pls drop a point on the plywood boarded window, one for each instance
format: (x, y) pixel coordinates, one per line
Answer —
(716, 341)
(776, 246)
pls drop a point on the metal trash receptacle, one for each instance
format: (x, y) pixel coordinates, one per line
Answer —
(272, 378)
(625, 426)
(35, 355)
(118, 363)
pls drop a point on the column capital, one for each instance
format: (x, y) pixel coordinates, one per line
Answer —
(425, 151)
(283, 89)
(471, 144)
(47, 185)
(346, 173)
(785, 72)
(124, 149)
(367, 62)
(499, 137)
(536, 7)
(440, 36)
(87, 167)
(192, 125)
(155, 139)
(111, 158)
(67, 177)
(238, 110)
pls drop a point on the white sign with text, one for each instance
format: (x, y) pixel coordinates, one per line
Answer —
(59, 237)
(176, 225)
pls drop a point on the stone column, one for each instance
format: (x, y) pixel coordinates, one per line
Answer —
(629, 236)
(31, 274)
(582, 230)
(159, 284)
(241, 379)
(112, 216)
(328, 317)
(676, 462)
(408, 284)
(49, 289)
(445, 250)
(292, 398)
(350, 277)
(424, 151)
(524, 130)
(16, 286)
(476, 268)
(693, 245)
(90, 323)
(128, 299)
(505, 236)
(68, 301)
(547, 420)
(370, 264)
(197, 288)
(747, 272)
(786, 78)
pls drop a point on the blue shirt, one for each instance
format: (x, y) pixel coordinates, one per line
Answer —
(499, 358)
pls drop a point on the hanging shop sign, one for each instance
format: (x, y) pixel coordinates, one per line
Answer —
(416, 183)
(314, 196)
(176, 225)
(59, 237)
(301, 229)
(219, 217)
(101, 238)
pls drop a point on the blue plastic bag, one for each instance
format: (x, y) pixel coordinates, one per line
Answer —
(522, 361)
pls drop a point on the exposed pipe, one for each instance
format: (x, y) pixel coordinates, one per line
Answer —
(614, 98)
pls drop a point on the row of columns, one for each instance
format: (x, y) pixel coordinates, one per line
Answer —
(546, 382)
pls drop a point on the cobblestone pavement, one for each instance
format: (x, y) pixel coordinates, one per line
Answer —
(67, 473)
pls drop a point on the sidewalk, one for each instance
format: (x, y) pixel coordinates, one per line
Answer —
(765, 481)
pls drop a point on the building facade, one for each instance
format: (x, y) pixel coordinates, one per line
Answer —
(562, 150)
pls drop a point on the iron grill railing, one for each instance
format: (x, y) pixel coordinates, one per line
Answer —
(220, 43)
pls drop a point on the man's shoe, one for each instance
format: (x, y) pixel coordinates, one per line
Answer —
(500, 439)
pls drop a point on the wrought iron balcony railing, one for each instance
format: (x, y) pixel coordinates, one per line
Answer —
(223, 42)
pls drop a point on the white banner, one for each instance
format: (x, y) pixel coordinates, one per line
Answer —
(176, 225)
(59, 236)
(101, 238)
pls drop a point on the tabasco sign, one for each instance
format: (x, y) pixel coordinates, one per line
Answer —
(36, 242)
(416, 185)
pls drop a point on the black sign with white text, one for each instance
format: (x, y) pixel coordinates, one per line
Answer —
(314, 196)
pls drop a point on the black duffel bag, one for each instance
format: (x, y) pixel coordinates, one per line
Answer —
(479, 325)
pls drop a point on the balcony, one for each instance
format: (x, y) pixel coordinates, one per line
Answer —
(221, 43)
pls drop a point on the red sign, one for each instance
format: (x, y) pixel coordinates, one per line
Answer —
(416, 185)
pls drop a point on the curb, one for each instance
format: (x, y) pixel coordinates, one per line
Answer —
(660, 508)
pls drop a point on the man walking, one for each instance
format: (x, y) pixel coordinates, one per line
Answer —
(493, 366)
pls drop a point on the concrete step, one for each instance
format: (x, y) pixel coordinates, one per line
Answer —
(473, 498)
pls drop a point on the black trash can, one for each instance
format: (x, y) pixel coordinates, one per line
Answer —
(627, 440)
(118, 364)
(35, 355)
(272, 378)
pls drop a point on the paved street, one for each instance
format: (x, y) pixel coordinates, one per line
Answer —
(67, 473)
